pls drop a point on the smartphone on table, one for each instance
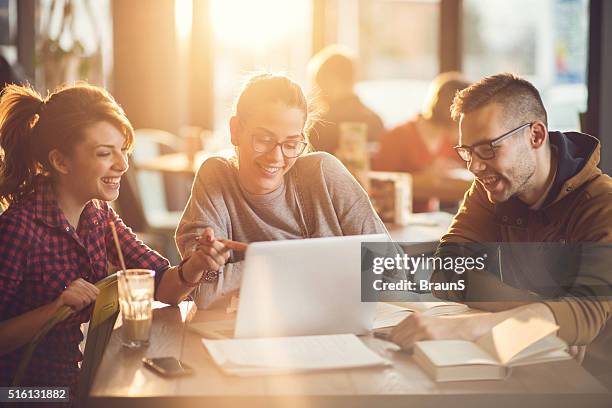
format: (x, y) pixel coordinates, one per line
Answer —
(168, 366)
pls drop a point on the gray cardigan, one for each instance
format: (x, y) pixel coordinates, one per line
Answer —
(319, 198)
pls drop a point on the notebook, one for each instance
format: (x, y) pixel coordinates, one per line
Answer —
(521, 340)
(286, 355)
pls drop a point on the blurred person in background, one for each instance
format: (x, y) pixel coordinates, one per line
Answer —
(333, 73)
(425, 142)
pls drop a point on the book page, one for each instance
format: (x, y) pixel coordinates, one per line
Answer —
(550, 348)
(388, 315)
(434, 308)
(443, 353)
(514, 335)
(293, 353)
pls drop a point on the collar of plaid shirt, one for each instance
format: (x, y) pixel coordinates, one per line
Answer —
(46, 208)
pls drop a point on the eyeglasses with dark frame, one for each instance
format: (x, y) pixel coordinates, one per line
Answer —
(485, 149)
(290, 148)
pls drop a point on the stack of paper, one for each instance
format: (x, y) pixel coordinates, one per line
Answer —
(283, 355)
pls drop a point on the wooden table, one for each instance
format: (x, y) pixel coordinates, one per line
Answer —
(122, 380)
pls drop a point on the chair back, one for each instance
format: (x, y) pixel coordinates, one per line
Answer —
(103, 317)
(129, 204)
(151, 185)
(60, 315)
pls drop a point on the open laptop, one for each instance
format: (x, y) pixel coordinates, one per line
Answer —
(299, 287)
(304, 287)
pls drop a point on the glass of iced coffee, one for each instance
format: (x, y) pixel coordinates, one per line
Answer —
(136, 288)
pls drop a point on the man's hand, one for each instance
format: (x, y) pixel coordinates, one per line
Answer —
(419, 326)
(78, 295)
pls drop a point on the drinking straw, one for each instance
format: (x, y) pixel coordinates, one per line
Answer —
(121, 261)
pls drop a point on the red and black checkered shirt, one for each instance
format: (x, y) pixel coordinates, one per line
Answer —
(41, 254)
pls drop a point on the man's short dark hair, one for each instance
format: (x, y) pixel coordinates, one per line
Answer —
(520, 99)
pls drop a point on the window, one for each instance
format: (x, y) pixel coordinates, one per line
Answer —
(73, 42)
(271, 35)
(397, 45)
(543, 40)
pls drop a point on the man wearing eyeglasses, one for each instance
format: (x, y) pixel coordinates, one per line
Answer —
(531, 186)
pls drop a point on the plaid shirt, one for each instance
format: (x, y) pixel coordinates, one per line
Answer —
(41, 254)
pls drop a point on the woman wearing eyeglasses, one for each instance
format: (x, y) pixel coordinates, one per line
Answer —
(272, 190)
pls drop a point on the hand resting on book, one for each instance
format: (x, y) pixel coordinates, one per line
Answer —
(418, 326)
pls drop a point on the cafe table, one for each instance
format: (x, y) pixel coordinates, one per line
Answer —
(123, 381)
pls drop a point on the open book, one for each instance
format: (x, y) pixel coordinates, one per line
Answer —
(432, 306)
(284, 355)
(517, 341)
(390, 314)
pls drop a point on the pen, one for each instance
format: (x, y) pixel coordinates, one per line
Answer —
(235, 245)
(383, 335)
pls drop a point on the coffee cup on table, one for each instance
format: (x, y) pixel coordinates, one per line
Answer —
(136, 290)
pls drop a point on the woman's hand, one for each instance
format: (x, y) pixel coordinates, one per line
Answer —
(21, 329)
(210, 254)
(78, 295)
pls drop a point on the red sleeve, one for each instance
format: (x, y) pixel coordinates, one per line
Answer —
(390, 155)
(14, 241)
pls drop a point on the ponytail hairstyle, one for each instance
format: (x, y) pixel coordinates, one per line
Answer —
(32, 126)
(261, 89)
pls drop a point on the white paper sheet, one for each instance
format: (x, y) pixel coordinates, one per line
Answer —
(291, 354)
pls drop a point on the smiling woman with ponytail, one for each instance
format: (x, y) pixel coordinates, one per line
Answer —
(61, 161)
